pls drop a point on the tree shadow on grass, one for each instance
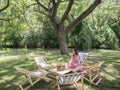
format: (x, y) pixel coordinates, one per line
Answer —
(110, 69)
(9, 76)
(108, 84)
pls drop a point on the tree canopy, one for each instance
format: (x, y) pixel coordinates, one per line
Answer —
(84, 24)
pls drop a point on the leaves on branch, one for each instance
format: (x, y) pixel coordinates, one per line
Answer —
(2, 9)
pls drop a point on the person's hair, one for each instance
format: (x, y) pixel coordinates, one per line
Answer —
(76, 51)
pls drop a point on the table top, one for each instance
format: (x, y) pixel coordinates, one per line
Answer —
(54, 70)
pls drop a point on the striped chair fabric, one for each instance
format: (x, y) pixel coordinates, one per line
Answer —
(69, 78)
(82, 56)
(41, 62)
(83, 59)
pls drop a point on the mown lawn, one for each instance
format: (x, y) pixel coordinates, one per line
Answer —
(9, 77)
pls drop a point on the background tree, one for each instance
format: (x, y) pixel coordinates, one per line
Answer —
(51, 10)
(22, 24)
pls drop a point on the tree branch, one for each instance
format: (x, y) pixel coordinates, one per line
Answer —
(82, 16)
(42, 12)
(45, 8)
(9, 19)
(55, 7)
(5, 6)
(67, 11)
(31, 5)
(49, 3)
(27, 22)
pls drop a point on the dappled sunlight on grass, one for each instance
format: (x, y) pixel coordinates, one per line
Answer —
(60, 59)
(3, 52)
(8, 77)
(9, 58)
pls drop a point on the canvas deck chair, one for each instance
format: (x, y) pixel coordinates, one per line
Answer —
(42, 63)
(92, 74)
(31, 77)
(83, 58)
(70, 79)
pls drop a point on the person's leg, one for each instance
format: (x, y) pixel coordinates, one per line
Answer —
(76, 69)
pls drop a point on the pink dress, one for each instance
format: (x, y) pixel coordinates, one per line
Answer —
(75, 61)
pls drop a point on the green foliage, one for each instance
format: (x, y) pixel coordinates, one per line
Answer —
(106, 38)
(114, 24)
(99, 22)
(28, 27)
(41, 37)
(81, 37)
(10, 34)
(30, 38)
(48, 37)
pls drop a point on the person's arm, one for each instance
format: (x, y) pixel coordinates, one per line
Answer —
(71, 58)
(69, 63)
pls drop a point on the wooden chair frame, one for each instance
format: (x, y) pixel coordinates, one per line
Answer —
(29, 79)
(92, 73)
(70, 83)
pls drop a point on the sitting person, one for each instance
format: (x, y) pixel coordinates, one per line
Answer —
(74, 64)
(75, 60)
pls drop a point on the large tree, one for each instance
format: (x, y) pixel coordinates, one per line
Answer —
(61, 30)
(51, 10)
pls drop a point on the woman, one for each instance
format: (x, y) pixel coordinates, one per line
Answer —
(75, 60)
(74, 64)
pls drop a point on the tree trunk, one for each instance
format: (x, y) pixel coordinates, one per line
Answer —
(61, 36)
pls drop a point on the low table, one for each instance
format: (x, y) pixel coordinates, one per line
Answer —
(55, 72)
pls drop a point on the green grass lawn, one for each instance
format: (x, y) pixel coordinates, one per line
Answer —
(9, 77)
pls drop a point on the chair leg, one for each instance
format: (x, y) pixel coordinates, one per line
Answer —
(25, 88)
(82, 80)
(57, 83)
(58, 86)
(21, 87)
(36, 81)
(94, 77)
(47, 79)
(76, 86)
(90, 76)
(29, 78)
(98, 81)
